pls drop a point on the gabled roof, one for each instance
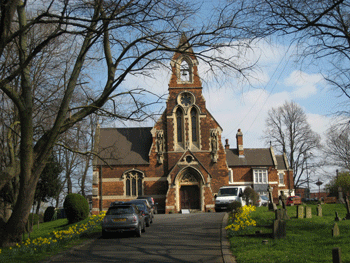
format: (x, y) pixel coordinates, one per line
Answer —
(281, 165)
(252, 157)
(123, 146)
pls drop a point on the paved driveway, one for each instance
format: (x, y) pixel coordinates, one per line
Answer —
(171, 238)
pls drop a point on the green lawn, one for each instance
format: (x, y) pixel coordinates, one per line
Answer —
(51, 238)
(307, 240)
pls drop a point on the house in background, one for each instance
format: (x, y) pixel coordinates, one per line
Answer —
(180, 161)
(259, 168)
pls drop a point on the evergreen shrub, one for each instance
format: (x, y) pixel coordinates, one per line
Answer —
(76, 208)
(250, 196)
(49, 213)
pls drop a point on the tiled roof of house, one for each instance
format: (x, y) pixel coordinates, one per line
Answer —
(124, 146)
(281, 165)
(252, 157)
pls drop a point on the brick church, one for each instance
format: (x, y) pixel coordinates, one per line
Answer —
(181, 161)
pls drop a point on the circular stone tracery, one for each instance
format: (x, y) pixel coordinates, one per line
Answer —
(186, 99)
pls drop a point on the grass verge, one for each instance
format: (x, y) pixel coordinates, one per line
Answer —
(52, 238)
(307, 240)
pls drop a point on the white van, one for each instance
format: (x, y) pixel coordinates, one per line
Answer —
(228, 194)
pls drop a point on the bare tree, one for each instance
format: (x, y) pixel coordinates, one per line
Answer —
(319, 30)
(289, 132)
(108, 40)
(337, 147)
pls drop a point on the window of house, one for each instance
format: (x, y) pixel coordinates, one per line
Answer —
(260, 176)
(194, 124)
(133, 184)
(281, 178)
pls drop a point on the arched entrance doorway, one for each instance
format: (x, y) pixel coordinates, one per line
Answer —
(189, 195)
(190, 190)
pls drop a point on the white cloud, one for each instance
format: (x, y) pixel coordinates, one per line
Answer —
(235, 104)
(305, 84)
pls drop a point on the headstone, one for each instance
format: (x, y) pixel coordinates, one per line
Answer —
(337, 218)
(279, 229)
(335, 230)
(319, 210)
(283, 199)
(274, 206)
(281, 214)
(271, 204)
(347, 208)
(308, 212)
(278, 214)
(300, 211)
(340, 195)
(336, 255)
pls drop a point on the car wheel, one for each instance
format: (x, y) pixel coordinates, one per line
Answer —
(144, 228)
(148, 221)
(138, 231)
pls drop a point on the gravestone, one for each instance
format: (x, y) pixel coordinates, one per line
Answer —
(340, 195)
(272, 206)
(279, 228)
(281, 214)
(283, 199)
(337, 218)
(347, 208)
(319, 210)
(300, 211)
(335, 230)
(308, 212)
(336, 255)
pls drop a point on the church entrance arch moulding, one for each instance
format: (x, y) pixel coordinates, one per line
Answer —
(189, 184)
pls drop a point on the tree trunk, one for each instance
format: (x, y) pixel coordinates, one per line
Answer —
(38, 207)
(11, 232)
(83, 178)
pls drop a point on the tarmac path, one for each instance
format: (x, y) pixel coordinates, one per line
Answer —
(194, 237)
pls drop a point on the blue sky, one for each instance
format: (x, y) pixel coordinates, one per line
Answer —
(235, 103)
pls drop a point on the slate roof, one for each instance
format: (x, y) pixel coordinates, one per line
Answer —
(131, 146)
(252, 157)
(281, 165)
(124, 146)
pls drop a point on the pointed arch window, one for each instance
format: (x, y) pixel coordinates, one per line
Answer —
(179, 125)
(194, 124)
(133, 184)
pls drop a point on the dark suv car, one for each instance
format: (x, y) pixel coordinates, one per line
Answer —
(123, 218)
(152, 203)
(142, 205)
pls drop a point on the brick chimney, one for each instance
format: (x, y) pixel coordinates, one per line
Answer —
(227, 146)
(239, 138)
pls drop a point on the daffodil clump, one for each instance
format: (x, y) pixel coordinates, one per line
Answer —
(241, 219)
(56, 238)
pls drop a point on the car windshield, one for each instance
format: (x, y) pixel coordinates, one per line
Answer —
(264, 198)
(120, 210)
(228, 191)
